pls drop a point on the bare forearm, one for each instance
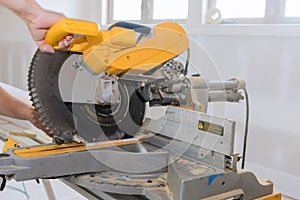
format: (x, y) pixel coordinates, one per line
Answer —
(37, 19)
(13, 107)
(26, 9)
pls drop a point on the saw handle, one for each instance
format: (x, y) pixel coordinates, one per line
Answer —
(136, 27)
(70, 26)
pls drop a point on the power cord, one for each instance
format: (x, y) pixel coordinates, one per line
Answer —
(246, 127)
(24, 191)
(187, 61)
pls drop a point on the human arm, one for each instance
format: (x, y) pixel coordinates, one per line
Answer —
(13, 107)
(38, 21)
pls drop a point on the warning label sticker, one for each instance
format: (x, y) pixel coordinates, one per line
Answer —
(211, 128)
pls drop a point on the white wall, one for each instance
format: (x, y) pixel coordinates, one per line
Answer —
(268, 63)
(16, 49)
(80, 9)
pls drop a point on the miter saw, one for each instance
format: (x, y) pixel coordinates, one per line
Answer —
(99, 87)
(95, 99)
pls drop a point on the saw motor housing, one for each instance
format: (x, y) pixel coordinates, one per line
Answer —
(117, 49)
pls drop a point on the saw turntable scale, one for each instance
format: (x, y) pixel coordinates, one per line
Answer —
(94, 99)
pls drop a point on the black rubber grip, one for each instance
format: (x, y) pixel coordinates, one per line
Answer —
(136, 27)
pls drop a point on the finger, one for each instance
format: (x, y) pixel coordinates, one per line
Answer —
(38, 34)
(66, 43)
(72, 40)
(36, 122)
(45, 47)
(69, 37)
(61, 45)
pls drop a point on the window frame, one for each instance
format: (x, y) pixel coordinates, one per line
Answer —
(196, 23)
(147, 7)
(274, 14)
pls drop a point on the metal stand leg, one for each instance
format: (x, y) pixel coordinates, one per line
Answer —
(49, 189)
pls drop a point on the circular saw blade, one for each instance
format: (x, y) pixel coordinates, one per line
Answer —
(64, 119)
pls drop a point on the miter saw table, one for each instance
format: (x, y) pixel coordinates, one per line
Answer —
(192, 172)
(129, 121)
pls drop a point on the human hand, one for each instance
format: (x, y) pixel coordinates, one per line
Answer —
(40, 24)
(38, 21)
(34, 119)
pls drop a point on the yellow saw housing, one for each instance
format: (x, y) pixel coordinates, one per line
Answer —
(116, 50)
